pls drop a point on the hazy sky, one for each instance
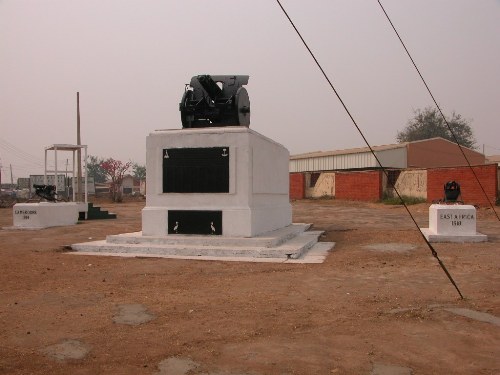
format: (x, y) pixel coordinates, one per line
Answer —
(130, 60)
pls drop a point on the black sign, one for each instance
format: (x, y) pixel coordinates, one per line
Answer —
(196, 170)
(194, 222)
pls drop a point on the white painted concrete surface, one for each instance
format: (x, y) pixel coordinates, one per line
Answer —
(452, 223)
(44, 215)
(258, 199)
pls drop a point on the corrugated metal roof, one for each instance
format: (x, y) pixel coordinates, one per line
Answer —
(359, 150)
(493, 158)
(391, 156)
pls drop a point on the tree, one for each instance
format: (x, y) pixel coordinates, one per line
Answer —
(139, 171)
(95, 170)
(428, 123)
(115, 170)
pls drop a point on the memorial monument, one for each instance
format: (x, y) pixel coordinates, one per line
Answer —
(215, 187)
(51, 211)
(451, 220)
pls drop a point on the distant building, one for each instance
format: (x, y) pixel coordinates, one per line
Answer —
(417, 169)
(39, 179)
(428, 153)
(23, 183)
(493, 159)
(132, 185)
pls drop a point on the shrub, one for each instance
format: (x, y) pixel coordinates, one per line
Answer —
(407, 200)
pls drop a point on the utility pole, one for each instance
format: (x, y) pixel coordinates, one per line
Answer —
(79, 151)
(66, 181)
(11, 177)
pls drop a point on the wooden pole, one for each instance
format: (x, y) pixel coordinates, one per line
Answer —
(79, 151)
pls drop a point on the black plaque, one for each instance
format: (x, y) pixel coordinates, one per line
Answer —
(196, 170)
(194, 222)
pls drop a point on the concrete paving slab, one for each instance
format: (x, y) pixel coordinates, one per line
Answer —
(391, 247)
(476, 315)
(67, 349)
(383, 369)
(132, 314)
(176, 366)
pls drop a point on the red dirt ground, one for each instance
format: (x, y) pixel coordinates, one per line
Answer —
(365, 306)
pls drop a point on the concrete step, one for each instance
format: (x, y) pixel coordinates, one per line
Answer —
(293, 243)
(290, 251)
(269, 239)
(96, 213)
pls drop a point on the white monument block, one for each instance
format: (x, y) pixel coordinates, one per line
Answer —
(216, 193)
(249, 193)
(452, 223)
(44, 215)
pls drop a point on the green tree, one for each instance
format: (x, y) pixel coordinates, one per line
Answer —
(428, 123)
(139, 171)
(115, 170)
(94, 169)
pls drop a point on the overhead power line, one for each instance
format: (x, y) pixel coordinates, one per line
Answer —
(16, 152)
(441, 112)
(433, 251)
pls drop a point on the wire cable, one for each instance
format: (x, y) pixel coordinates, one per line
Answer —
(433, 251)
(441, 112)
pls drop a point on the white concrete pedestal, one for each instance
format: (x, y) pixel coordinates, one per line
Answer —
(256, 200)
(44, 215)
(452, 223)
(247, 197)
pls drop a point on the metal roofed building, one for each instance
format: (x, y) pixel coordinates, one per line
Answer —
(493, 159)
(428, 153)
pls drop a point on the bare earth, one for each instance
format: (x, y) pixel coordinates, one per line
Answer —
(379, 305)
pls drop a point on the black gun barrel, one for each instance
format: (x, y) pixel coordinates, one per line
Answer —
(209, 85)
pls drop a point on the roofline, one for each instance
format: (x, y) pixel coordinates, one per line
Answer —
(349, 151)
(359, 150)
(446, 140)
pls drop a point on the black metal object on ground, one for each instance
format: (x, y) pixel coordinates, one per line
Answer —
(452, 192)
(47, 192)
(218, 100)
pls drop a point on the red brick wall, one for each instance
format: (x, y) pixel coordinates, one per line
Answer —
(297, 185)
(360, 186)
(470, 189)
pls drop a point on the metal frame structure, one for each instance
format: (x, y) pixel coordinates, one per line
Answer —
(72, 148)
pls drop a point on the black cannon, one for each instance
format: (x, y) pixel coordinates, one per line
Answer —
(47, 192)
(218, 100)
(452, 192)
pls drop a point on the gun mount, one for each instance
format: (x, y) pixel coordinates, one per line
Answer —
(452, 192)
(47, 192)
(218, 100)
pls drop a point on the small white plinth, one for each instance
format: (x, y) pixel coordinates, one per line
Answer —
(44, 215)
(452, 223)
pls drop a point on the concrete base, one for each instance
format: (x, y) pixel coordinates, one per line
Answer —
(256, 200)
(460, 238)
(44, 215)
(292, 243)
(452, 223)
